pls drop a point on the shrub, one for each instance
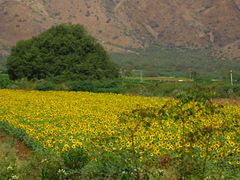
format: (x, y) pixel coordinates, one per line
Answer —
(45, 86)
(110, 166)
(4, 81)
(22, 84)
(75, 158)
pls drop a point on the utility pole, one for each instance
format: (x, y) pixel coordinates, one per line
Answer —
(141, 76)
(231, 77)
(121, 73)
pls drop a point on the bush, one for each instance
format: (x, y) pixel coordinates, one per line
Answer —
(22, 84)
(227, 91)
(45, 86)
(75, 158)
(4, 81)
(110, 166)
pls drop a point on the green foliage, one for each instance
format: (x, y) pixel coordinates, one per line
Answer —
(200, 64)
(22, 84)
(75, 158)
(187, 163)
(228, 91)
(35, 165)
(120, 165)
(105, 85)
(3, 60)
(44, 85)
(21, 135)
(180, 90)
(4, 81)
(64, 51)
(109, 166)
(188, 90)
(189, 167)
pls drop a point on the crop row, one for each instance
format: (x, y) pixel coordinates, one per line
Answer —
(148, 126)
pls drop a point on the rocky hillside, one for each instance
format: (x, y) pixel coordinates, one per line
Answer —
(121, 25)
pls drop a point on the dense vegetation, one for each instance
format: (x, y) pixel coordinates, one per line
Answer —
(179, 62)
(65, 52)
(170, 87)
(3, 68)
(199, 69)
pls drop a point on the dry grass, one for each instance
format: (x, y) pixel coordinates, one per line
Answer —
(228, 101)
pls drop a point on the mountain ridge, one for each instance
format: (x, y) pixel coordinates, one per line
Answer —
(123, 25)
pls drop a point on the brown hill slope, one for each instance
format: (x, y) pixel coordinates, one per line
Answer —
(238, 3)
(24, 18)
(123, 24)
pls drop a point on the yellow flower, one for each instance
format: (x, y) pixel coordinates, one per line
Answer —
(64, 120)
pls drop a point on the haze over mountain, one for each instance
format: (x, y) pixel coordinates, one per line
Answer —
(122, 25)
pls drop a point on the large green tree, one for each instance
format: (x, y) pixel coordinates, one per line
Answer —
(65, 51)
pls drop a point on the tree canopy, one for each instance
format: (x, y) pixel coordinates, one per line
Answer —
(65, 51)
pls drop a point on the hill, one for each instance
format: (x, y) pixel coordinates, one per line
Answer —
(124, 25)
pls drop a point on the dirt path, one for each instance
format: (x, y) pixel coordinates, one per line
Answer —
(9, 144)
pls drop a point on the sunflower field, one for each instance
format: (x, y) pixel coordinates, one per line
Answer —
(145, 126)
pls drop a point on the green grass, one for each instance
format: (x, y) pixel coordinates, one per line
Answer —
(19, 161)
(11, 162)
(161, 79)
